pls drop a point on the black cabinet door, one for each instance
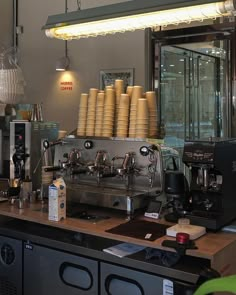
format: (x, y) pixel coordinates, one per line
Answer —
(10, 266)
(48, 271)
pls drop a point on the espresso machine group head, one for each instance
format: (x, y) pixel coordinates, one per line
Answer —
(212, 166)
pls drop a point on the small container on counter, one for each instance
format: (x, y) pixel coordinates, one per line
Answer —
(27, 187)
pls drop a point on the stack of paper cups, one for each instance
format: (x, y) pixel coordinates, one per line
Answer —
(153, 115)
(82, 116)
(136, 94)
(99, 114)
(91, 116)
(119, 89)
(109, 113)
(123, 116)
(142, 118)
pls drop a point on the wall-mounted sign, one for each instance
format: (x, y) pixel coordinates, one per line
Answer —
(66, 85)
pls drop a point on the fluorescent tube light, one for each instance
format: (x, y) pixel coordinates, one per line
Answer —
(133, 15)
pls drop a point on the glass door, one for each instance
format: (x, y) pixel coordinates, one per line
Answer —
(189, 94)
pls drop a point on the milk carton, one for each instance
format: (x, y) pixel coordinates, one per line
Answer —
(57, 200)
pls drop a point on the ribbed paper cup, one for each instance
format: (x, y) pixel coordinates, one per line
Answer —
(93, 93)
(141, 136)
(108, 115)
(83, 100)
(108, 125)
(142, 121)
(82, 124)
(154, 128)
(109, 108)
(123, 135)
(99, 120)
(109, 87)
(90, 128)
(82, 112)
(119, 89)
(123, 121)
(122, 127)
(153, 112)
(129, 90)
(123, 113)
(119, 85)
(124, 100)
(107, 134)
(136, 94)
(142, 109)
(100, 98)
(109, 97)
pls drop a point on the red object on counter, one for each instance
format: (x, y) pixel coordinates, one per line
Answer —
(182, 238)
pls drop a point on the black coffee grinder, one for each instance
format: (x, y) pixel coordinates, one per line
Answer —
(177, 191)
(212, 165)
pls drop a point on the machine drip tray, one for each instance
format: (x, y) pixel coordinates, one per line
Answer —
(86, 216)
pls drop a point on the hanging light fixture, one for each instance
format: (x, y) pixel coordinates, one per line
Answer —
(63, 63)
(133, 15)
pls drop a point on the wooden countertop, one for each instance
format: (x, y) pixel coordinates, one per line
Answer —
(208, 246)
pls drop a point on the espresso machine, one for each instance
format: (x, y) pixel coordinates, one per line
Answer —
(211, 198)
(115, 173)
(26, 148)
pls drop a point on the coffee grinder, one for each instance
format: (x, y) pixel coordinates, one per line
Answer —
(212, 166)
(176, 190)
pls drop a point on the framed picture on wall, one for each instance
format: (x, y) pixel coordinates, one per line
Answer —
(108, 77)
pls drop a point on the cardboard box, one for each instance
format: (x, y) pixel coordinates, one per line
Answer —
(57, 200)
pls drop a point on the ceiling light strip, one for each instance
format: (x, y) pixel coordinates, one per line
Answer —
(143, 21)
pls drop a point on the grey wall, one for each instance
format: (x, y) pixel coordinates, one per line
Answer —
(38, 55)
(6, 23)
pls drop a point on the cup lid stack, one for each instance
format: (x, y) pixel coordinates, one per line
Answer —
(99, 113)
(123, 116)
(82, 116)
(109, 112)
(153, 114)
(142, 118)
(91, 115)
(136, 94)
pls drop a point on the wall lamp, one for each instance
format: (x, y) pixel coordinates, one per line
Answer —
(134, 15)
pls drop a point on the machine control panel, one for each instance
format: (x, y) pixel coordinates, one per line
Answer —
(194, 152)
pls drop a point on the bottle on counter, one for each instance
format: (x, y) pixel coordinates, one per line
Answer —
(27, 187)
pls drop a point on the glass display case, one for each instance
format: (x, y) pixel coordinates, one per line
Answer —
(192, 75)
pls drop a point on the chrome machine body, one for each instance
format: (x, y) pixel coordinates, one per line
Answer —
(113, 173)
(26, 148)
(213, 181)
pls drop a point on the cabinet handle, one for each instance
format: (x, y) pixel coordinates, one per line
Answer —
(112, 277)
(67, 269)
